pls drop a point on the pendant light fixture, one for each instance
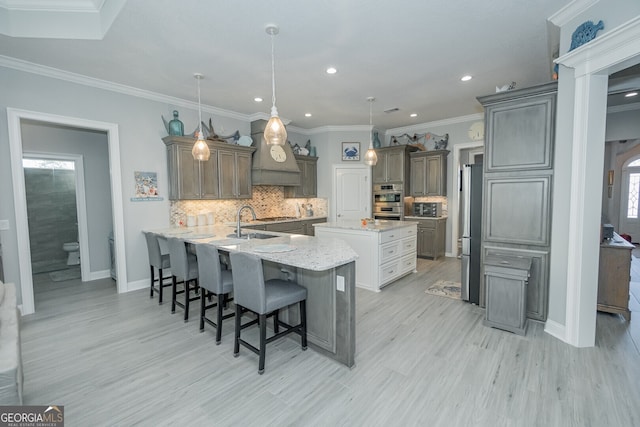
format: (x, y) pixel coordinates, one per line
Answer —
(200, 149)
(275, 132)
(370, 157)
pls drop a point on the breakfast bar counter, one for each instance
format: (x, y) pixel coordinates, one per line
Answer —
(324, 266)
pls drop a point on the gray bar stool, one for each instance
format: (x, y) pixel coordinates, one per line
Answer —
(213, 280)
(157, 260)
(264, 297)
(184, 266)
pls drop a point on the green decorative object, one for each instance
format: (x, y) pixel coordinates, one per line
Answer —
(175, 126)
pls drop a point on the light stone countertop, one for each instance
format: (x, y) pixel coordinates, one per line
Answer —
(371, 226)
(311, 253)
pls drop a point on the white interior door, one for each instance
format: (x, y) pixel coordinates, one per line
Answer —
(629, 201)
(351, 192)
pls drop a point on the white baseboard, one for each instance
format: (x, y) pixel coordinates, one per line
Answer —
(96, 275)
(137, 285)
(555, 329)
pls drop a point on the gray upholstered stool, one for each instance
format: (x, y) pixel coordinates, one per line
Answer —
(213, 280)
(184, 266)
(157, 260)
(264, 297)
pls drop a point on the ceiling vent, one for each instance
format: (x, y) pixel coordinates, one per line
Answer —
(392, 110)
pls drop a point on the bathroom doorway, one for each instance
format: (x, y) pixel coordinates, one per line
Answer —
(54, 190)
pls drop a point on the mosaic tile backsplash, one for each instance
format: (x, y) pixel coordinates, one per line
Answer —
(267, 201)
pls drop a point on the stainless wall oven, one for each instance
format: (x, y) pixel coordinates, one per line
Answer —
(388, 202)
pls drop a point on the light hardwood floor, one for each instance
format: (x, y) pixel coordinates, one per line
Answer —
(420, 360)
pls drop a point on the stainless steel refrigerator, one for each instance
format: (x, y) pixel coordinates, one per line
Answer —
(471, 197)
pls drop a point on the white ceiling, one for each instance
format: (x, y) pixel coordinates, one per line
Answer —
(409, 54)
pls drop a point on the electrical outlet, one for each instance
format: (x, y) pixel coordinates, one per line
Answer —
(340, 283)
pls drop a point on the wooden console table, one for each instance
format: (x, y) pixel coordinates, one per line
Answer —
(614, 276)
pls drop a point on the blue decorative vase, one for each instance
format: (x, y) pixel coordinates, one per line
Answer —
(376, 140)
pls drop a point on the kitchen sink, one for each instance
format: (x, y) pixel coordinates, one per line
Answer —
(250, 236)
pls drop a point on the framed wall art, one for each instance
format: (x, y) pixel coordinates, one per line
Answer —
(350, 151)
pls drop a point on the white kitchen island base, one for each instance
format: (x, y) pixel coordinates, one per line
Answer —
(386, 251)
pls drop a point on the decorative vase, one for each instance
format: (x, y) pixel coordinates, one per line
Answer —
(376, 140)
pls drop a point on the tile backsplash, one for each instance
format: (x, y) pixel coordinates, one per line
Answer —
(267, 201)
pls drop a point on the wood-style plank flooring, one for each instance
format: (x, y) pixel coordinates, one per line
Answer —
(421, 360)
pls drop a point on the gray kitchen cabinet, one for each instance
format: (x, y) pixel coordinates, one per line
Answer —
(293, 227)
(428, 173)
(518, 184)
(308, 178)
(431, 237)
(235, 173)
(309, 229)
(393, 164)
(190, 179)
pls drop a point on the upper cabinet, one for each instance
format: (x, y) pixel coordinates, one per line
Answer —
(308, 178)
(393, 164)
(429, 173)
(226, 175)
(234, 174)
(520, 130)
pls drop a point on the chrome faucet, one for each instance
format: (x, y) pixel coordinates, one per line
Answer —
(253, 213)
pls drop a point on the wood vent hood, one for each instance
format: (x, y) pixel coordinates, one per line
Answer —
(265, 170)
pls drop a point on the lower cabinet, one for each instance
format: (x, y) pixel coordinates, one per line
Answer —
(383, 257)
(431, 236)
(304, 226)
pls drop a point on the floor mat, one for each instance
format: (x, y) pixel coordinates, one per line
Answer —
(445, 288)
(64, 275)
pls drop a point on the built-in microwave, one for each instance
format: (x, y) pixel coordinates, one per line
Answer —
(427, 209)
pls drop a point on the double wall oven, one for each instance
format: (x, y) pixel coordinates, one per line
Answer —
(388, 202)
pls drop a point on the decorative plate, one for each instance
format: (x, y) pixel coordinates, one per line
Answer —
(245, 141)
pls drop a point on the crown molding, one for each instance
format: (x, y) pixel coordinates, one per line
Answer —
(623, 108)
(570, 11)
(330, 128)
(54, 73)
(444, 122)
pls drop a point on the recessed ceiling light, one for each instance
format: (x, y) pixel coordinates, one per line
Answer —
(630, 94)
(257, 99)
(307, 114)
(466, 78)
(331, 70)
(413, 115)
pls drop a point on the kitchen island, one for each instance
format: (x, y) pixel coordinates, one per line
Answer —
(324, 266)
(386, 249)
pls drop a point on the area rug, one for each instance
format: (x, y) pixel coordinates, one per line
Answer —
(445, 288)
(64, 275)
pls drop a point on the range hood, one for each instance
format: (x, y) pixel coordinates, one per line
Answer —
(265, 170)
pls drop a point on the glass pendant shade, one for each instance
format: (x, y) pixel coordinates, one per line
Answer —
(200, 150)
(370, 157)
(275, 133)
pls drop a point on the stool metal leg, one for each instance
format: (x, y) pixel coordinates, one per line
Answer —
(160, 283)
(221, 299)
(186, 301)
(236, 342)
(303, 322)
(276, 323)
(151, 287)
(203, 302)
(263, 344)
(173, 294)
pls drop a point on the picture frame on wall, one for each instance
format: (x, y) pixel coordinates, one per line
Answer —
(350, 151)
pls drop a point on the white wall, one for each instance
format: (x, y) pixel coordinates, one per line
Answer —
(93, 147)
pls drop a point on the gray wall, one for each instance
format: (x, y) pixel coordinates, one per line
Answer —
(93, 147)
(140, 130)
(51, 207)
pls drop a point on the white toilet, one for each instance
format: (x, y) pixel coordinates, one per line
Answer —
(73, 248)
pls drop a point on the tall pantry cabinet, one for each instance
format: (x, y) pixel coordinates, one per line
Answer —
(518, 183)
